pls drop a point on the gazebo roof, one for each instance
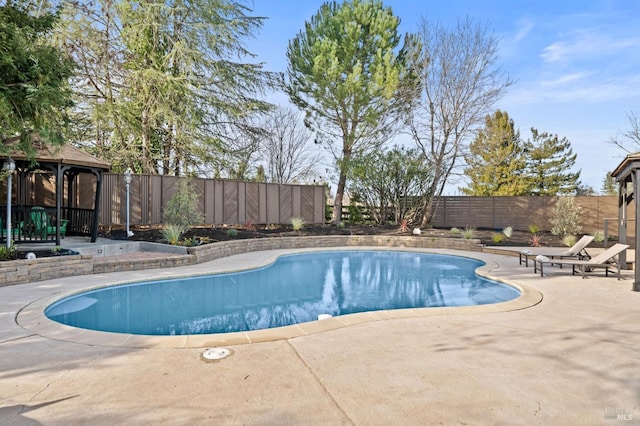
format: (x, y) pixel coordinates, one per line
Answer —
(624, 169)
(67, 155)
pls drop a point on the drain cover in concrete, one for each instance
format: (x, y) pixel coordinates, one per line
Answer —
(215, 354)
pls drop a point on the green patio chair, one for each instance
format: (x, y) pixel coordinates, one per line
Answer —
(42, 226)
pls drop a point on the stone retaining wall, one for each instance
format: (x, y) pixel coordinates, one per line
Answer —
(24, 271)
(46, 268)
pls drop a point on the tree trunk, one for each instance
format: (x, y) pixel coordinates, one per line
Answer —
(336, 216)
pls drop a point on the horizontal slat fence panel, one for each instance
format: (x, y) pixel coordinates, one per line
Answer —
(231, 202)
(220, 201)
(521, 212)
(224, 201)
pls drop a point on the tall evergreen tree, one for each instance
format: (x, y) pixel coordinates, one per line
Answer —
(345, 72)
(496, 162)
(609, 186)
(177, 85)
(550, 160)
(34, 90)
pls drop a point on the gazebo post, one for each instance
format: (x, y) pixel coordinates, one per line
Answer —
(623, 202)
(636, 191)
(628, 172)
(96, 208)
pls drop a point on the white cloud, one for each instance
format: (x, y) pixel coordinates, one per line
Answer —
(564, 79)
(524, 28)
(588, 45)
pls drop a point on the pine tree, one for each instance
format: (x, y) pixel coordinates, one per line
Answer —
(346, 71)
(550, 160)
(609, 186)
(171, 83)
(496, 163)
(34, 90)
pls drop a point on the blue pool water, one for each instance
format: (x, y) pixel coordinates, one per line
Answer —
(294, 289)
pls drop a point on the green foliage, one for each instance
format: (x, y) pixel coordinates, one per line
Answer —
(34, 74)
(328, 209)
(609, 186)
(566, 217)
(454, 231)
(533, 228)
(499, 163)
(7, 253)
(345, 71)
(182, 209)
(191, 242)
(569, 240)
(171, 233)
(598, 236)
(340, 224)
(496, 159)
(171, 83)
(297, 223)
(549, 161)
(232, 232)
(387, 182)
(497, 237)
(355, 212)
(468, 233)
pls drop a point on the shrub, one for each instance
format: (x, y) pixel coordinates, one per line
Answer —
(297, 223)
(355, 214)
(171, 233)
(7, 253)
(566, 217)
(598, 236)
(569, 240)
(533, 228)
(508, 231)
(191, 242)
(181, 211)
(535, 240)
(454, 231)
(232, 232)
(469, 233)
(497, 238)
(340, 224)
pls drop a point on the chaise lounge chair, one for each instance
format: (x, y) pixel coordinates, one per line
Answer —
(607, 259)
(578, 251)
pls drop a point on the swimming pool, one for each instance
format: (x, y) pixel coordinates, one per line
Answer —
(294, 289)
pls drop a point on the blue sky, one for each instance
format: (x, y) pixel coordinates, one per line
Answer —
(576, 63)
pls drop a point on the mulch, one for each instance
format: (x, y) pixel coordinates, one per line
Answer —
(212, 234)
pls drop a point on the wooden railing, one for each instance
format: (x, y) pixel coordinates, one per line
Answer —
(37, 224)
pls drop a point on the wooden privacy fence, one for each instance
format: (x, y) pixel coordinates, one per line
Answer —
(220, 201)
(520, 212)
(239, 202)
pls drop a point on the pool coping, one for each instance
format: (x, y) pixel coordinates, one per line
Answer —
(31, 316)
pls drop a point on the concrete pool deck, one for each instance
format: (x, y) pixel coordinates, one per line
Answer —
(572, 358)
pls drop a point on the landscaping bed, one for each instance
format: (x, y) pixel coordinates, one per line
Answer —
(211, 234)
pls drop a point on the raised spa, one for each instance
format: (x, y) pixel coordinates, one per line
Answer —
(294, 289)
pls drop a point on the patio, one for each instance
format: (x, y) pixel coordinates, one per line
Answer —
(571, 359)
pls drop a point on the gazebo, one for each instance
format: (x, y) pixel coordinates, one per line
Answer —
(45, 211)
(627, 174)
